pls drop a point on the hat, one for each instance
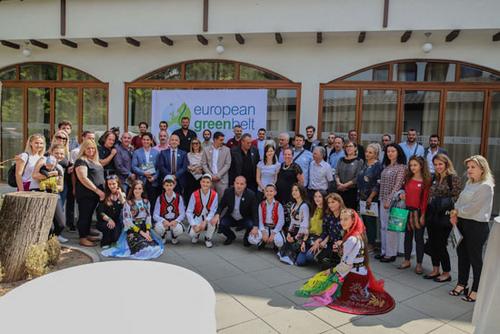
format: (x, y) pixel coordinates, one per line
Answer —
(207, 176)
(51, 159)
(169, 178)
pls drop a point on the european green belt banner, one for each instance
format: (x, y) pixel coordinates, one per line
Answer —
(213, 109)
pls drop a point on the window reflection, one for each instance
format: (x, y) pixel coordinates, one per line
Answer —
(380, 73)
(468, 73)
(35, 72)
(339, 112)
(421, 112)
(494, 144)
(424, 71)
(210, 71)
(11, 125)
(379, 109)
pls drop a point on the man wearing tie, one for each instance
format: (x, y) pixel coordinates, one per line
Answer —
(173, 161)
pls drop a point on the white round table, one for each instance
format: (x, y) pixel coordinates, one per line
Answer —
(112, 297)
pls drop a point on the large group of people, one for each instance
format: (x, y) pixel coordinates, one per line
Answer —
(295, 195)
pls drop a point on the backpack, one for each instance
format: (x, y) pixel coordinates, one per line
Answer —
(11, 173)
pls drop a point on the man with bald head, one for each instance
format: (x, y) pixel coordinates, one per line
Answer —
(173, 161)
(241, 205)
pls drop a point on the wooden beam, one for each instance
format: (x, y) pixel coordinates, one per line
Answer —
(69, 43)
(10, 45)
(239, 38)
(39, 44)
(496, 37)
(202, 39)
(133, 42)
(406, 36)
(167, 40)
(386, 14)
(361, 37)
(319, 37)
(279, 38)
(452, 35)
(63, 17)
(100, 42)
(205, 15)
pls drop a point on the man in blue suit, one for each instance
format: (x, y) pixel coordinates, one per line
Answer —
(173, 161)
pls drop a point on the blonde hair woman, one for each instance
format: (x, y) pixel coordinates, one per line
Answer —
(444, 191)
(26, 161)
(61, 138)
(89, 188)
(472, 215)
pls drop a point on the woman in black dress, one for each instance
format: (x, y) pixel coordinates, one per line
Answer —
(109, 212)
(289, 174)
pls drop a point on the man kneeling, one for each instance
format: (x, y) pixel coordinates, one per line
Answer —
(271, 221)
(169, 211)
(241, 205)
(201, 211)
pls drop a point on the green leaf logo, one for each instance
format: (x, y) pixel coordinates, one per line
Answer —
(175, 118)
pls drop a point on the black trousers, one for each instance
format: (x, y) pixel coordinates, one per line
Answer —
(70, 204)
(350, 197)
(86, 208)
(109, 236)
(152, 192)
(419, 243)
(470, 250)
(439, 228)
(228, 221)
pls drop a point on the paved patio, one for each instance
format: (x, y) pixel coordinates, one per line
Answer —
(255, 294)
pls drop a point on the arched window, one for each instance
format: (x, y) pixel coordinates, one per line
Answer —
(283, 94)
(456, 100)
(37, 96)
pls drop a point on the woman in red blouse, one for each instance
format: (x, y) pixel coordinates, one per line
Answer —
(416, 194)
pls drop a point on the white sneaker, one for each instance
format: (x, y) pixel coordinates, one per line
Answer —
(209, 243)
(175, 241)
(62, 239)
(194, 240)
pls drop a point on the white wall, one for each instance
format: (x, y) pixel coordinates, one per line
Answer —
(118, 18)
(300, 59)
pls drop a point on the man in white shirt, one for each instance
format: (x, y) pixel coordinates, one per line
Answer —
(432, 150)
(216, 161)
(320, 173)
(411, 147)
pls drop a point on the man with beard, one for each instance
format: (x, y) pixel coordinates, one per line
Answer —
(236, 140)
(310, 143)
(432, 150)
(329, 146)
(411, 147)
(185, 134)
(353, 137)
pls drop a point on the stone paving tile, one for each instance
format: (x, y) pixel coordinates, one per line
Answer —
(463, 322)
(398, 291)
(229, 312)
(410, 320)
(242, 284)
(371, 325)
(265, 302)
(447, 329)
(335, 319)
(288, 291)
(274, 276)
(250, 263)
(296, 321)
(255, 326)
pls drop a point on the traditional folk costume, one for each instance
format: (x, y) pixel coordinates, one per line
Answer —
(315, 231)
(110, 208)
(136, 218)
(271, 220)
(299, 227)
(349, 287)
(202, 207)
(170, 209)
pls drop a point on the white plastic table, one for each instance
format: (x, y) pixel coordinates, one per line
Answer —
(112, 297)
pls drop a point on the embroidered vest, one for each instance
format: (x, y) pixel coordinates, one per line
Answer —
(167, 207)
(263, 207)
(198, 204)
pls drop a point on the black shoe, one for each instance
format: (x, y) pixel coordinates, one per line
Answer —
(442, 280)
(229, 241)
(379, 256)
(427, 276)
(388, 259)
(246, 243)
(261, 246)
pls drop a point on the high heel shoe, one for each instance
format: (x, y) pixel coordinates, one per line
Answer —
(456, 293)
(468, 299)
(437, 279)
(388, 259)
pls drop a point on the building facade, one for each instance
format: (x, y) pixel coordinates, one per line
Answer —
(376, 66)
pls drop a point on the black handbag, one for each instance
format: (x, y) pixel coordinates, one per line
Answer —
(442, 205)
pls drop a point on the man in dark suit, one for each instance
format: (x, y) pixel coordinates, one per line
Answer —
(242, 211)
(244, 160)
(173, 161)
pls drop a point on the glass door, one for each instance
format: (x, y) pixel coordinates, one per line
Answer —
(11, 126)
(66, 108)
(39, 112)
(463, 125)
(379, 110)
(494, 145)
(420, 112)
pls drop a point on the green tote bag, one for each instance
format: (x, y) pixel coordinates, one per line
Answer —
(398, 218)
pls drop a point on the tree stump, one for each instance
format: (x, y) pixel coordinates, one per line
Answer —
(25, 219)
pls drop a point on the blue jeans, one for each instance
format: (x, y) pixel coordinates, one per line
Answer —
(304, 258)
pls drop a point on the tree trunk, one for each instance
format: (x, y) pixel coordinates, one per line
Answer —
(25, 219)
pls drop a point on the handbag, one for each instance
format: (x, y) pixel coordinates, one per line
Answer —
(11, 173)
(398, 218)
(441, 205)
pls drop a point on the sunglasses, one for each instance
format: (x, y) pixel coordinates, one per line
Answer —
(62, 138)
(112, 177)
